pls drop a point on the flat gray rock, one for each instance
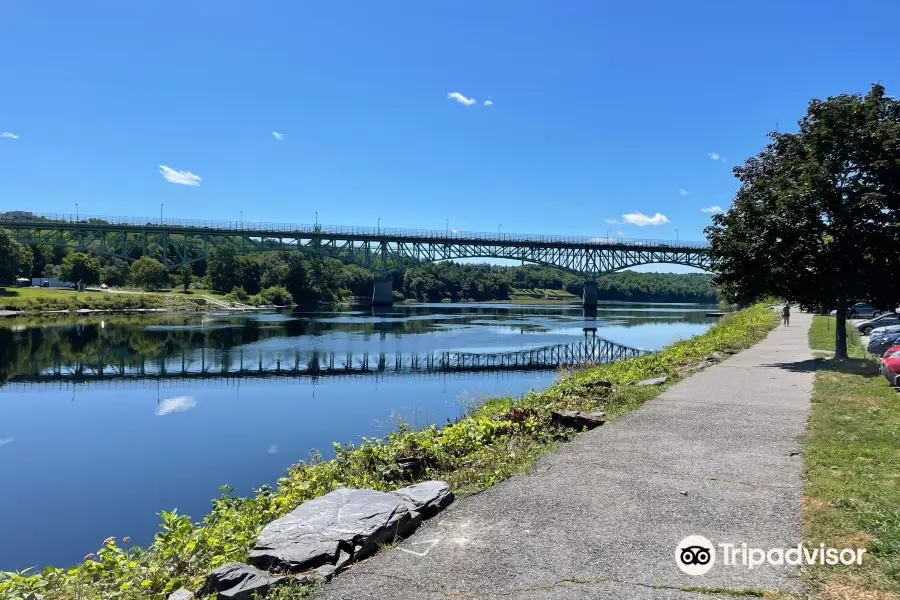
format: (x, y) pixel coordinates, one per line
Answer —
(181, 594)
(427, 498)
(577, 419)
(238, 581)
(654, 381)
(334, 529)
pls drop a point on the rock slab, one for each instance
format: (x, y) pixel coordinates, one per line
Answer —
(654, 381)
(181, 594)
(333, 530)
(238, 581)
(577, 419)
(427, 498)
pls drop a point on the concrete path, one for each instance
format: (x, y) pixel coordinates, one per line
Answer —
(714, 455)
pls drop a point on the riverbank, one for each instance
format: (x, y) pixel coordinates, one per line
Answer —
(33, 300)
(852, 467)
(500, 438)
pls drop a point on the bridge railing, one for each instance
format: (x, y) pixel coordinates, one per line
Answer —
(244, 227)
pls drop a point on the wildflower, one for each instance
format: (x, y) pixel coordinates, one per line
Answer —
(90, 556)
(126, 540)
(109, 540)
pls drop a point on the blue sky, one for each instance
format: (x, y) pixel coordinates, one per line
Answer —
(599, 109)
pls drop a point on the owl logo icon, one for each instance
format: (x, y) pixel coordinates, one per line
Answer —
(695, 555)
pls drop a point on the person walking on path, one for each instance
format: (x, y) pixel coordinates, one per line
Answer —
(786, 314)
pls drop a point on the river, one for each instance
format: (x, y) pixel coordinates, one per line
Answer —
(106, 420)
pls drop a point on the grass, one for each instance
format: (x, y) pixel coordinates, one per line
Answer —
(495, 440)
(821, 337)
(36, 299)
(852, 468)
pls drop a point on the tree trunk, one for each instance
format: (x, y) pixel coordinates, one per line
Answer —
(840, 330)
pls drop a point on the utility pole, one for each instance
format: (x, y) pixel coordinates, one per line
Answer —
(76, 212)
(160, 213)
(447, 219)
(676, 235)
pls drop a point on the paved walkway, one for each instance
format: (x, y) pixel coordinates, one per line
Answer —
(601, 517)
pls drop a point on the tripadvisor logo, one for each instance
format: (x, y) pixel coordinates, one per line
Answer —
(695, 555)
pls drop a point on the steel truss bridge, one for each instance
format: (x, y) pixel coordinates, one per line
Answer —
(197, 366)
(176, 242)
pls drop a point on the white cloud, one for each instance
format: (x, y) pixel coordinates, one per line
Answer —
(683, 191)
(461, 99)
(5, 441)
(613, 221)
(488, 102)
(173, 405)
(716, 156)
(182, 177)
(9, 135)
(620, 234)
(273, 449)
(713, 209)
(640, 219)
(278, 136)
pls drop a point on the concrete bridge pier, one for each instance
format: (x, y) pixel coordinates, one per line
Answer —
(383, 293)
(589, 299)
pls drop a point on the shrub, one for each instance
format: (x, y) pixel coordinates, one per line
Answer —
(277, 295)
(237, 294)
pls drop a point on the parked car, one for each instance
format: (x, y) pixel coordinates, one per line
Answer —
(878, 346)
(890, 366)
(103, 286)
(866, 327)
(861, 310)
(881, 331)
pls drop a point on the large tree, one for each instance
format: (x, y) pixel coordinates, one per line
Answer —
(224, 268)
(815, 219)
(148, 273)
(15, 258)
(79, 266)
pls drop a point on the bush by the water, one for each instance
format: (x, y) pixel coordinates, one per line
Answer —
(496, 439)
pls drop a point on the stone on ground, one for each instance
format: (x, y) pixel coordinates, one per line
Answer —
(237, 581)
(577, 419)
(653, 381)
(334, 529)
(427, 498)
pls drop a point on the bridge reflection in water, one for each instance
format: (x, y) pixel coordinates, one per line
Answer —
(225, 367)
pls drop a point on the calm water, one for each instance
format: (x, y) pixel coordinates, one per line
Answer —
(104, 421)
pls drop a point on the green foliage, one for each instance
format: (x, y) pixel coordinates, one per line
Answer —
(72, 301)
(223, 268)
(277, 295)
(237, 294)
(815, 218)
(148, 273)
(79, 266)
(499, 438)
(186, 276)
(115, 273)
(13, 258)
(437, 281)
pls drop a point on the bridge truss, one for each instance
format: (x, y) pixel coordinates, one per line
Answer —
(116, 366)
(179, 242)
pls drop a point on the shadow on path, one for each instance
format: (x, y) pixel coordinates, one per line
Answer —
(851, 366)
